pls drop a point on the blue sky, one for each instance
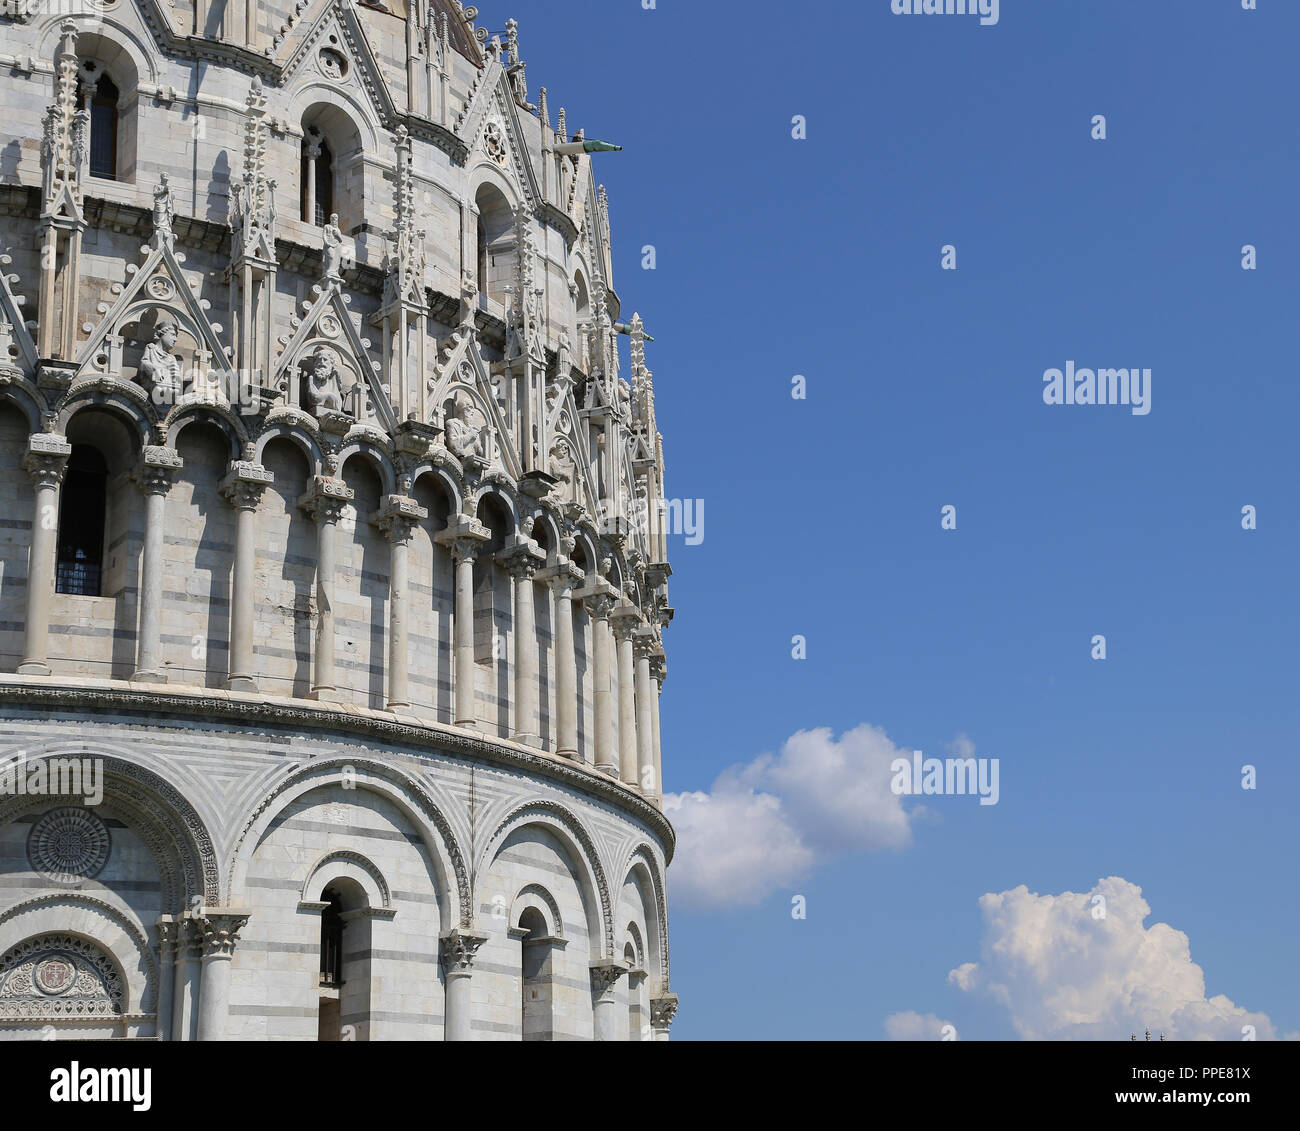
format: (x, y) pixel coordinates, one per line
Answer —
(821, 257)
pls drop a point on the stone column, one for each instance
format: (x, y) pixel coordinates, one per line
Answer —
(464, 537)
(218, 932)
(243, 487)
(604, 979)
(647, 694)
(168, 933)
(185, 994)
(397, 518)
(458, 950)
(599, 604)
(46, 461)
(624, 620)
(662, 1011)
(155, 475)
(324, 501)
(522, 560)
(562, 578)
(658, 673)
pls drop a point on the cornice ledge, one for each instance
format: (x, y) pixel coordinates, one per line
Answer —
(102, 697)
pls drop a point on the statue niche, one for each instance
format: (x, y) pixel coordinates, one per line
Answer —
(466, 432)
(160, 369)
(320, 395)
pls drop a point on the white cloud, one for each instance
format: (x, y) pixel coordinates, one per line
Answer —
(911, 1026)
(762, 826)
(1062, 973)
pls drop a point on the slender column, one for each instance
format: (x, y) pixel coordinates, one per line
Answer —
(658, 673)
(646, 696)
(243, 487)
(599, 603)
(604, 978)
(624, 621)
(522, 560)
(325, 501)
(463, 539)
(662, 1011)
(46, 461)
(168, 932)
(155, 476)
(562, 578)
(397, 518)
(218, 931)
(185, 999)
(458, 950)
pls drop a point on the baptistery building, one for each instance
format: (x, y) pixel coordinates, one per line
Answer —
(333, 570)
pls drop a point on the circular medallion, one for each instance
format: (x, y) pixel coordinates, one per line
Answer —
(68, 845)
(55, 976)
(160, 287)
(494, 141)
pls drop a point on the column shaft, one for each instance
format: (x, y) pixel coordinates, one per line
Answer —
(646, 692)
(627, 722)
(606, 757)
(566, 674)
(46, 461)
(398, 650)
(526, 729)
(463, 628)
(155, 479)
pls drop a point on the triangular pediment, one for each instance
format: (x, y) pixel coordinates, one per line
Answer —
(331, 46)
(16, 345)
(156, 290)
(327, 327)
(462, 370)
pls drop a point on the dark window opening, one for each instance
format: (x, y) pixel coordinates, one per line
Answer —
(331, 940)
(317, 181)
(482, 259)
(103, 129)
(82, 512)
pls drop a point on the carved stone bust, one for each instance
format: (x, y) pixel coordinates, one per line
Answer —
(160, 370)
(322, 382)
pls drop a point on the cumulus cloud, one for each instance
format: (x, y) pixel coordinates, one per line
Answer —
(764, 825)
(911, 1026)
(1063, 970)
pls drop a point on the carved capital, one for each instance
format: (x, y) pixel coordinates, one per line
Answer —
(662, 1011)
(522, 558)
(599, 597)
(244, 483)
(398, 516)
(157, 469)
(46, 459)
(644, 645)
(562, 577)
(218, 931)
(463, 537)
(325, 499)
(605, 975)
(458, 950)
(624, 619)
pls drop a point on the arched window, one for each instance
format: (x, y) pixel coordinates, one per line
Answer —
(344, 984)
(537, 1021)
(98, 93)
(495, 253)
(482, 271)
(82, 511)
(317, 179)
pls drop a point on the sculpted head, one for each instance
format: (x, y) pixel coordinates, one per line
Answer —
(166, 334)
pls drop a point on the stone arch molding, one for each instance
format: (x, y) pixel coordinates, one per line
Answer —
(642, 858)
(98, 922)
(536, 896)
(395, 786)
(157, 811)
(558, 819)
(346, 862)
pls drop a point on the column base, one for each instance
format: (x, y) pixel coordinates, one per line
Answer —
(398, 707)
(571, 754)
(528, 739)
(33, 667)
(324, 694)
(149, 677)
(242, 683)
(608, 769)
(466, 724)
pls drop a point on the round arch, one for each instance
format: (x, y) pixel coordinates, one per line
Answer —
(385, 781)
(562, 823)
